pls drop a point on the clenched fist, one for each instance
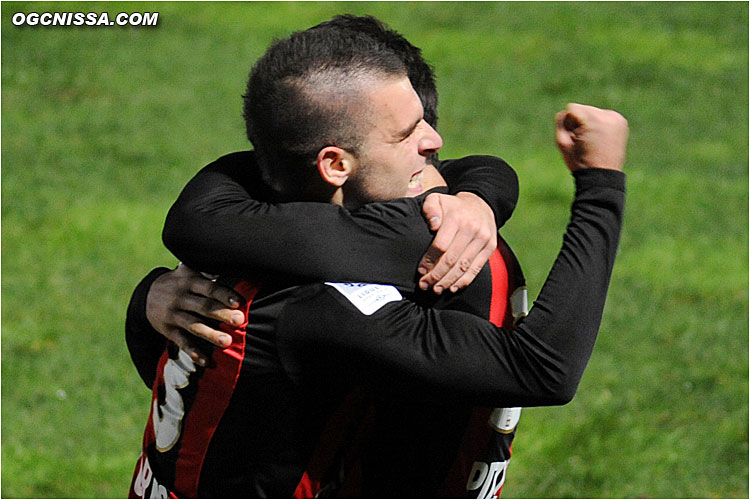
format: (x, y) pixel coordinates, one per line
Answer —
(591, 137)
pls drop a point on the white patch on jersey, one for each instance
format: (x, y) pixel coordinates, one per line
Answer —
(519, 303)
(367, 297)
(504, 420)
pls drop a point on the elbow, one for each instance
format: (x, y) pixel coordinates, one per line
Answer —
(179, 239)
(173, 240)
(171, 235)
(556, 389)
(563, 394)
(564, 389)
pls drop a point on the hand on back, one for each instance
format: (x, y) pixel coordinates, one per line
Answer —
(182, 303)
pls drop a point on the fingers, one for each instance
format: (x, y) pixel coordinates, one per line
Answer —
(210, 308)
(210, 289)
(433, 211)
(450, 259)
(567, 125)
(187, 329)
(466, 238)
(185, 342)
(182, 305)
(195, 326)
(465, 279)
(188, 342)
(565, 139)
(591, 137)
(443, 242)
(466, 267)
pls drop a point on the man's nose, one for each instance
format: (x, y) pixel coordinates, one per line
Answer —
(431, 142)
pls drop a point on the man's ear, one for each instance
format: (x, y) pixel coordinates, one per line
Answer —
(335, 165)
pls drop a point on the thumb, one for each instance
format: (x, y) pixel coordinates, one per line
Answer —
(564, 132)
(432, 210)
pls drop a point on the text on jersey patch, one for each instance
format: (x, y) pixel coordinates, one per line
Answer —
(367, 297)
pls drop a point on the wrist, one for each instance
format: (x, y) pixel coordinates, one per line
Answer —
(476, 199)
(602, 177)
(472, 196)
(137, 308)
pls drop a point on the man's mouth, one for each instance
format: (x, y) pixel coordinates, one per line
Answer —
(415, 183)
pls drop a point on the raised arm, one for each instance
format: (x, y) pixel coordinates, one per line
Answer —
(405, 347)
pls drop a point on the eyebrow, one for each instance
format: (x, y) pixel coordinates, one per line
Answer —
(408, 130)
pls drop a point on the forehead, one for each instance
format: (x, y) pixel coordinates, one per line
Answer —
(393, 106)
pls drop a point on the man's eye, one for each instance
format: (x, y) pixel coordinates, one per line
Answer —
(409, 135)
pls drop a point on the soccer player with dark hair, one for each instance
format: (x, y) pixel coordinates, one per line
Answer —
(304, 348)
(482, 442)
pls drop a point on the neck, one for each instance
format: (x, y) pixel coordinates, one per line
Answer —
(338, 198)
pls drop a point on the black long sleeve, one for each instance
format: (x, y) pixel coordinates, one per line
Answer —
(222, 223)
(367, 245)
(488, 177)
(455, 354)
(144, 343)
(396, 221)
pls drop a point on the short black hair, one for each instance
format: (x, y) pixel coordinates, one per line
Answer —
(301, 97)
(421, 74)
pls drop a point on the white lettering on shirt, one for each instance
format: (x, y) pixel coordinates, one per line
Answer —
(367, 297)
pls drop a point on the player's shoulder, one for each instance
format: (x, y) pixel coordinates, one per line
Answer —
(237, 167)
(237, 158)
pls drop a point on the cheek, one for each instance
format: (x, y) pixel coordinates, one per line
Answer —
(400, 168)
(390, 170)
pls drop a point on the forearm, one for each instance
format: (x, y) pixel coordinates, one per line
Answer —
(144, 343)
(567, 313)
(218, 227)
(222, 224)
(489, 177)
(552, 346)
(549, 350)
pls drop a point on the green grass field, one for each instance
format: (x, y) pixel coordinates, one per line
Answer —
(101, 127)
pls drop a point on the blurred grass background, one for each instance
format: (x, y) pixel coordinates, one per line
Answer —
(101, 127)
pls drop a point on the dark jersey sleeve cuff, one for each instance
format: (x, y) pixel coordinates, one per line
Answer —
(599, 177)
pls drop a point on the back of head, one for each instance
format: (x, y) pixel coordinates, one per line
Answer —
(305, 94)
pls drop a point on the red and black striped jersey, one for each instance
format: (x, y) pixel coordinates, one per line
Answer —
(270, 420)
(225, 192)
(307, 350)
